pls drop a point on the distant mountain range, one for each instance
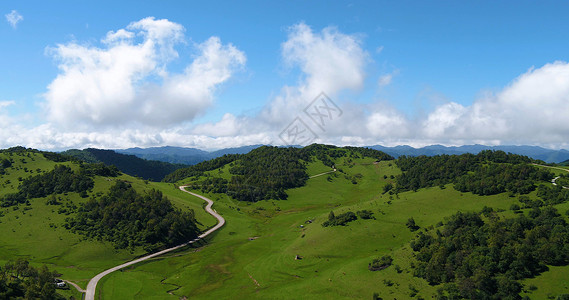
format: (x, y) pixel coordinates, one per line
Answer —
(180, 155)
(191, 156)
(535, 152)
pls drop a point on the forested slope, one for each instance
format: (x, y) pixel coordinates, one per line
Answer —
(129, 164)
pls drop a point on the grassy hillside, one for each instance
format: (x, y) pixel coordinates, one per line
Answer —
(34, 230)
(268, 249)
(277, 249)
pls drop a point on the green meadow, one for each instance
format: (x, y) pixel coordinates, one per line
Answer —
(254, 255)
(35, 231)
(275, 249)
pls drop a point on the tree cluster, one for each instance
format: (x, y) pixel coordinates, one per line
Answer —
(211, 185)
(339, 220)
(493, 178)
(345, 218)
(129, 219)
(380, 263)
(266, 172)
(552, 194)
(484, 260)
(4, 164)
(62, 179)
(487, 173)
(19, 280)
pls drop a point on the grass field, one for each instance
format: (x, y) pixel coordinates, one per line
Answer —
(253, 255)
(35, 231)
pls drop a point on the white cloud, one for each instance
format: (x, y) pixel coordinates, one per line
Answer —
(329, 60)
(6, 103)
(387, 123)
(532, 109)
(385, 80)
(443, 118)
(14, 18)
(127, 81)
(122, 94)
(229, 125)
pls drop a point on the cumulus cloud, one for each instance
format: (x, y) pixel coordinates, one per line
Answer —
(13, 18)
(126, 81)
(387, 123)
(533, 108)
(329, 60)
(229, 125)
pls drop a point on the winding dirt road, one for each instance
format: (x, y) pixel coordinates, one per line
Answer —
(92, 286)
(323, 173)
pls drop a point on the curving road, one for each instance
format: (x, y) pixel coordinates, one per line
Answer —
(554, 179)
(92, 286)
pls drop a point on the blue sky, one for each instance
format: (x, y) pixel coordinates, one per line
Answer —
(222, 73)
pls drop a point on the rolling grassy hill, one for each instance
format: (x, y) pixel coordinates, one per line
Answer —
(277, 249)
(34, 230)
(269, 249)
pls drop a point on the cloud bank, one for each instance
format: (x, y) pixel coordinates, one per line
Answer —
(122, 93)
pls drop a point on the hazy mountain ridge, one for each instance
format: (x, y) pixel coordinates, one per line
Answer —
(191, 156)
(181, 155)
(130, 164)
(535, 152)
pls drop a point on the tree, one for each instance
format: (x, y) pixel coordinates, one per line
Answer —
(388, 187)
(331, 216)
(411, 224)
(380, 263)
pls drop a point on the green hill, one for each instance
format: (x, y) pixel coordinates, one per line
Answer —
(323, 222)
(297, 248)
(129, 164)
(79, 219)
